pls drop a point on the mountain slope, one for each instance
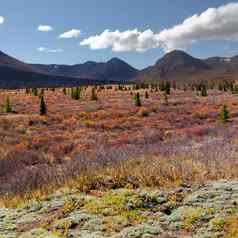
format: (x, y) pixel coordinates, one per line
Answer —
(178, 65)
(174, 64)
(17, 74)
(179, 61)
(114, 69)
(10, 62)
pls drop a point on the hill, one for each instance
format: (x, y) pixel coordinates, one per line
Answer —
(17, 74)
(180, 66)
(113, 70)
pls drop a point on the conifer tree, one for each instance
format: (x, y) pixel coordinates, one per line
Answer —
(167, 88)
(77, 94)
(137, 101)
(7, 106)
(204, 91)
(146, 95)
(94, 95)
(224, 114)
(43, 108)
(35, 92)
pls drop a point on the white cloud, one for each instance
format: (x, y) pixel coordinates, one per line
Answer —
(45, 28)
(2, 19)
(213, 24)
(131, 40)
(47, 50)
(74, 33)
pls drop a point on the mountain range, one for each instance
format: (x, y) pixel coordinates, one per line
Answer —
(113, 70)
(180, 66)
(176, 65)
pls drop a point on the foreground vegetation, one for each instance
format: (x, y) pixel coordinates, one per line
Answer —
(198, 212)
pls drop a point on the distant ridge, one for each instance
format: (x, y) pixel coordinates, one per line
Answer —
(176, 65)
(17, 74)
(113, 70)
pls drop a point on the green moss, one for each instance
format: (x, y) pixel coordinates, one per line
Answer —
(111, 203)
(114, 207)
(217, 224)
(194, 216)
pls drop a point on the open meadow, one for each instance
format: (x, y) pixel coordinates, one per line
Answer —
(183, 137)
(99, 162)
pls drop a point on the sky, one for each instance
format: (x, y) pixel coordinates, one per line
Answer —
(137, 31)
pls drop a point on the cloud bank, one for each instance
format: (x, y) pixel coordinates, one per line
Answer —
(2, 19)
(213, 24)
(45, 28)
(47, 50)
(74, 33)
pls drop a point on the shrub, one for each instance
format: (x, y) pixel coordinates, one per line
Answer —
(143, 112)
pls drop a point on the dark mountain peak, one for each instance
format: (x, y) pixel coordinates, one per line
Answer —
(177, 61)
(176, 55)
(119, 69)
(115, 60)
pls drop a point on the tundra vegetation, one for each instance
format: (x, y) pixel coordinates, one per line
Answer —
(119, 149)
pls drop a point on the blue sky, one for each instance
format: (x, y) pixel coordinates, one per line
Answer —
(21, 39)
